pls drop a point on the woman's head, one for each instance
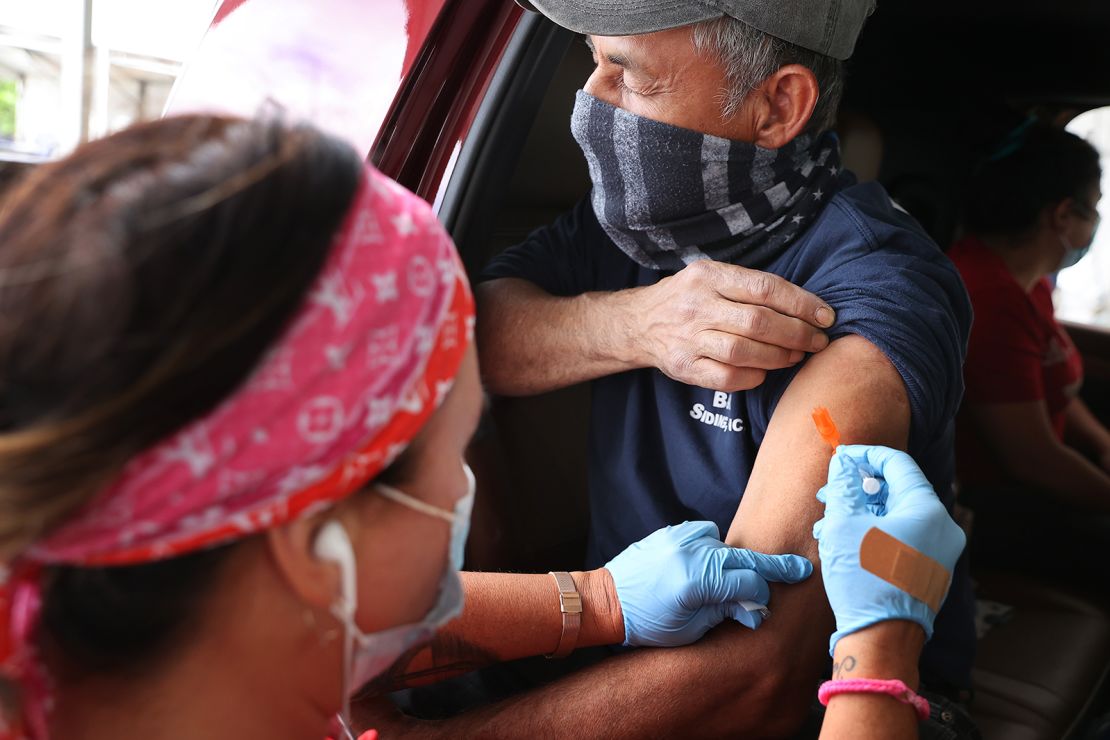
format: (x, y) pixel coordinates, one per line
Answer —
(148, 271)
(1041, 184)
(149, 286)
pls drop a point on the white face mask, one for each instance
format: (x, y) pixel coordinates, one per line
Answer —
(365, 656)
(1073, 255)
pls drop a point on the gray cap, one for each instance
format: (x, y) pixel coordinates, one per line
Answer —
(829, 27)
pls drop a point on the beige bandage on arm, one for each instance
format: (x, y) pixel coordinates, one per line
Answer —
(909, 569)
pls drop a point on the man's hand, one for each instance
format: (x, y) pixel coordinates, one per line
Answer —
(723, 327)
(714, 325)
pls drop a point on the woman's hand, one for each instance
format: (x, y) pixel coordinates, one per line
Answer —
(906, 508)
(678, 582)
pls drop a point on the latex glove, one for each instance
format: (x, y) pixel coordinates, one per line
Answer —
(906, 508)
(679, 581)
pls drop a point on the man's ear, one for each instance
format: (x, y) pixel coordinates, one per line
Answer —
(314, 581)
(789, 97)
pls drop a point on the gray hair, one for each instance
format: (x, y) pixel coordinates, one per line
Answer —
(750, 56)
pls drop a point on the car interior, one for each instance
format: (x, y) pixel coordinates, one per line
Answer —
(930, 87)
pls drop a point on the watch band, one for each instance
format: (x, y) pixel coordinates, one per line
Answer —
(570, 604)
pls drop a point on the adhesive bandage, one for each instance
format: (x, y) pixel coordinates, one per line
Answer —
(903, 566)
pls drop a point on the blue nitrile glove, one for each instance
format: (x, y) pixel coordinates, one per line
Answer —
(906, 508)
(678, 582)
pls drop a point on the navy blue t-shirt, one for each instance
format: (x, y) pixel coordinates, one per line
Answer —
(662, 452)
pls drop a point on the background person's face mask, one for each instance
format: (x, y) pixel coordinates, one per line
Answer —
(1072, 255)
(367, 655)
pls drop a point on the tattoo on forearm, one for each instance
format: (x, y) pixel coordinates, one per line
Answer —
(847, 665)
(450, 656)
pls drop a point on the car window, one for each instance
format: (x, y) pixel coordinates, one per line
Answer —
(1083, 292)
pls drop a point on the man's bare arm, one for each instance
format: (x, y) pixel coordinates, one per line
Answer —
(734, 681)
(524, 333)
(713, 325)
(867, 398)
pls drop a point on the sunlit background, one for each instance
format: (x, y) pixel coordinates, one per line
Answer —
(71, 70)
(77, 69)
(1083, 291)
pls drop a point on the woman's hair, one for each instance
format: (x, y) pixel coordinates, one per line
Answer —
(142, 278)
(1036, 167)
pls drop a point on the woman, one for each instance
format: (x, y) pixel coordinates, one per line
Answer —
(1032, 211)
(238, 386)
(1025, 438)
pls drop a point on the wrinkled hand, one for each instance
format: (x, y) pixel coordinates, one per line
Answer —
(722, 327)
(678, 582)
(905, 507)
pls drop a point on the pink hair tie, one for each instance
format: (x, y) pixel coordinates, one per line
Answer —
(894, 687)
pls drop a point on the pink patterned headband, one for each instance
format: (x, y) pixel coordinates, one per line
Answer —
(370, 356)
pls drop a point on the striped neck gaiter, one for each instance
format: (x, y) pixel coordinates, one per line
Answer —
(669, 196)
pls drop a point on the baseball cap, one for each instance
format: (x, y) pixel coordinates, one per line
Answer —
(828, 27)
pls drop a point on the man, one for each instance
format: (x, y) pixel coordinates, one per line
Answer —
(716, 183)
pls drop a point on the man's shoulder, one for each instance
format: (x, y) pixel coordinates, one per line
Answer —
(866, 212)
(864, 239)
(890, 284)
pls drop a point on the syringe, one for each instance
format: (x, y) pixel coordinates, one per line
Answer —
(755, 606)
(826, 427)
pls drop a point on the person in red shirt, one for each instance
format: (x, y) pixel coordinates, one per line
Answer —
(1023, 433)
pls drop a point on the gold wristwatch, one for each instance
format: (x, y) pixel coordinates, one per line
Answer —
(570, 604)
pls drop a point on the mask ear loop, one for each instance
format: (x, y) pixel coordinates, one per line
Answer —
(349, 734)
(348, 660)
(414, 503)
(346, 616)
(333, 544)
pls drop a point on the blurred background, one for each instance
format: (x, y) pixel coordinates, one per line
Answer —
(1083, 292)
(71, 70)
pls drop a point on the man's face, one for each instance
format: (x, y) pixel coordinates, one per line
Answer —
(662, 77)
